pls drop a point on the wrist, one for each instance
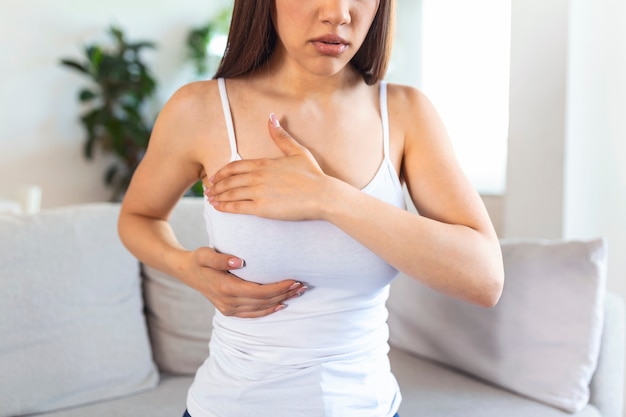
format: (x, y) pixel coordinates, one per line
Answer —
(177, 262)
(337, 197)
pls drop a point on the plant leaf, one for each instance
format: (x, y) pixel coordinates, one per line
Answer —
(137, 46)
(89, 144)
(75, 65)
(86, 95)
(196, 190)
(110, 174)
(118, 34)
(121, 82)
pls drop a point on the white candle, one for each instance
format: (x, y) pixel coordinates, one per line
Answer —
(29, 197)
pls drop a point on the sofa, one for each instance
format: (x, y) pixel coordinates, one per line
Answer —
(86, 330)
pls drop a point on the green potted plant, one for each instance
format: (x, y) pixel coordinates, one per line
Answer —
(206, 43)
(115, 105)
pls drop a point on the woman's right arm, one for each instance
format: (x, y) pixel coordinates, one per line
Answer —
(186, 142)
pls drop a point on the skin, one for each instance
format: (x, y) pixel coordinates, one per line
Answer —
(309, 160)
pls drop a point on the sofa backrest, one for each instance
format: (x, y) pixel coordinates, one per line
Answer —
(73, 330)
(542, 339)
(71, 324)
(179, 318)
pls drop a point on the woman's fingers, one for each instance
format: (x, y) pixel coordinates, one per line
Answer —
(257, 300)
(290, 187)
(283, 139)
(235, 168)
(210, 258)
(233, 296)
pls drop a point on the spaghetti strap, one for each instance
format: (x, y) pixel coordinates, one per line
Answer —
(228, 118)
(384, 114)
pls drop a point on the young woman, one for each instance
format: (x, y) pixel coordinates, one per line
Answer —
(303, 151)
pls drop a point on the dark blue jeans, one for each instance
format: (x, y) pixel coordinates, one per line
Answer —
(187, 414)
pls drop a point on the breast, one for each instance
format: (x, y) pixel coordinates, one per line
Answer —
(314, 252)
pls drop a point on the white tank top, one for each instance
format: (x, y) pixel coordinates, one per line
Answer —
(326, 353)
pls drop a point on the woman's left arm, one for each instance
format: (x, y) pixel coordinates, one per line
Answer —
(449, 246)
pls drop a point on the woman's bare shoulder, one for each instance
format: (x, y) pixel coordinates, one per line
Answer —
(191, 126)
(193, 111)
(192, 99)
(412, 110)
(407, 99)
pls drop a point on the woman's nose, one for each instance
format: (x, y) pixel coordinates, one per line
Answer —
(335, 12)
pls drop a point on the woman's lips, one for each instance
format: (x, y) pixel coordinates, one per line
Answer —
(330, 45)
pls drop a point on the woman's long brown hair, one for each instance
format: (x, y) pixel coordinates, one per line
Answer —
(252, 38)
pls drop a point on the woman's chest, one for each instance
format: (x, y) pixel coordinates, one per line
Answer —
(314, 252)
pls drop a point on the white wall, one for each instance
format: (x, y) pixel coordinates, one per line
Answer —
(535, 168)
(40, 137)
(567, 143)
(595, 186)
(405, 65)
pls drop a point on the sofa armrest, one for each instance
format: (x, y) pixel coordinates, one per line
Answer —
(607, 384)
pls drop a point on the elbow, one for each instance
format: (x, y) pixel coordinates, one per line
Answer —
(121, 228)
(483, 290)
(490, 296)
(490, 278)
(490, 289)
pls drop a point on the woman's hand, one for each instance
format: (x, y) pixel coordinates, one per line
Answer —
(285, 188)
(231, 295)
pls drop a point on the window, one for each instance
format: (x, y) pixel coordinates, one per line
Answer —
(463, 56)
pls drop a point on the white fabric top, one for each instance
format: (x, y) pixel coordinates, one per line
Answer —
(326, 353)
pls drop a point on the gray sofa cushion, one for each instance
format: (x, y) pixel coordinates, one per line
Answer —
(541, 340)
(428, 390)
(432, 390)
(179, 318)
(179, 321)
(71, 318)
(167, 400)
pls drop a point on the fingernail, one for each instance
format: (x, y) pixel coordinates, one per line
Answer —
(274, 120)
(279, 307)
(295, 285)
(211, 179)
(302, 291)
(236, 263)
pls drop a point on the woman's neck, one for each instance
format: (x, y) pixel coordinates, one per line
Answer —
(291, 80)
